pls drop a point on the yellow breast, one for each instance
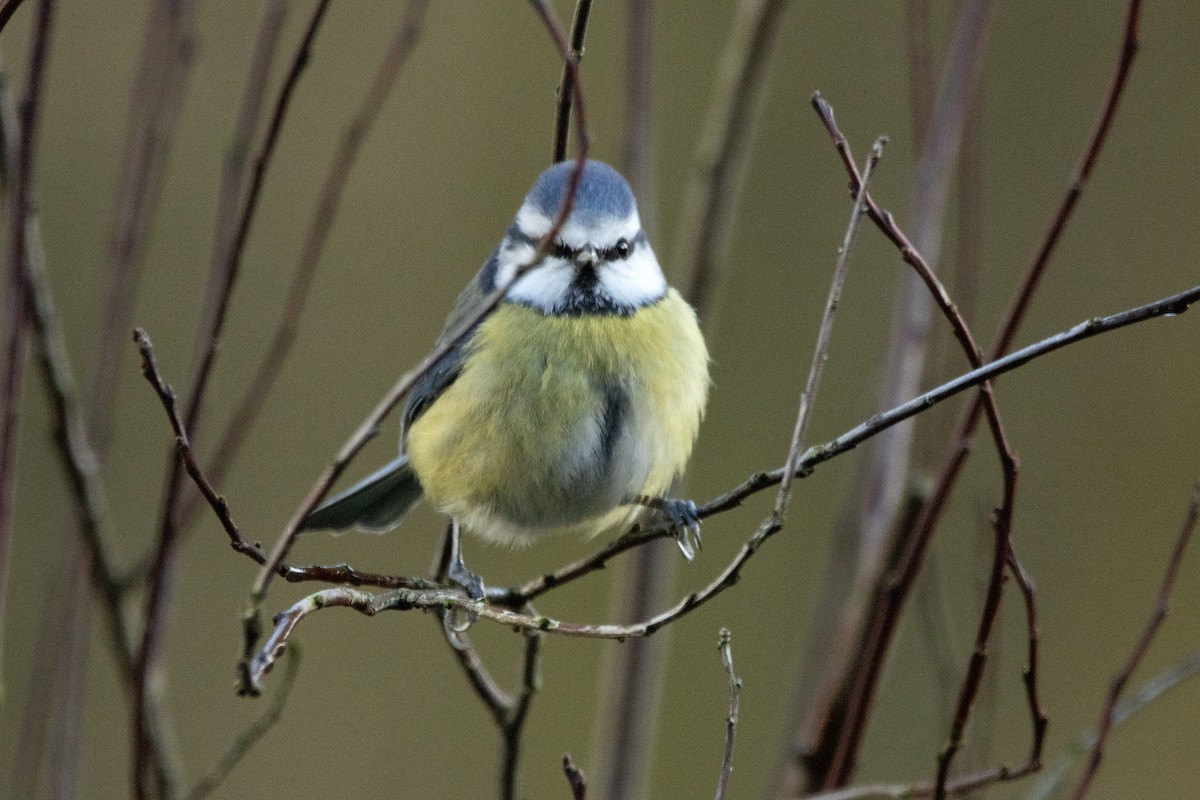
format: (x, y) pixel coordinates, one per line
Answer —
(556, 421)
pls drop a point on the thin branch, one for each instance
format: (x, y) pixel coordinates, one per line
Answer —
(156, 96)
(324, 214)
(7, 10)
(76, 454)
(1104, 726)
(220, 292)
(166, 396)
(1054, 775)
(78, 458)
(408, 599)
(337, 573)
(575, 778)
(1030, 672)
(370, 426)
(821, 351)
(23, 157)
(759, 481)
(562, 117)
(861, 680)
(723, 152)
(241, 746)
(514, 725)
(735, 699)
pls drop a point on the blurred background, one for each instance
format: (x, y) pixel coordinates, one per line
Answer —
(1106, 430)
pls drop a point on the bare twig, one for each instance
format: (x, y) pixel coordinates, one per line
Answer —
(233, 214)
(338, 573)
(22, 157)
(183, 445)
(821, 351)
(706, 220)
(238, 749)
(735, 699)
(220, 291)
(514, 724)
(1030, 672)
(1104, 726)
(370, 426)
(324, 214)
(76, 454)
(575, 778)
(840, 732)
(866, 525)
(562, 117)
(1052, 778)
(155, 98)
(409, 599)
(7, 10)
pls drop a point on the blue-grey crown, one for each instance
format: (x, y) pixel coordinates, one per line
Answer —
(603, 193)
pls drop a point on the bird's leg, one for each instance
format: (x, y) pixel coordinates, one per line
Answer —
(684, 518)
(457, 571)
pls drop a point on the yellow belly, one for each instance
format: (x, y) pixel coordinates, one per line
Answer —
(555, 422)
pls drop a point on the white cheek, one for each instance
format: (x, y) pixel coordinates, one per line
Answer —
(511, 258)
(544, 285)
(635, 281)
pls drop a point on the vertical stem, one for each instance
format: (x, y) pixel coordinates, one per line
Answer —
(13, 356)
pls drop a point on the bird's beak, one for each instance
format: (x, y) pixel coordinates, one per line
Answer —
(587, 257)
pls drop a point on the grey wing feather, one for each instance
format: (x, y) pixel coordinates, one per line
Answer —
(381, 500)
(377, 503)
(448, 367)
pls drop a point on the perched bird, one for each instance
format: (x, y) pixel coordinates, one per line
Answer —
(575, 401)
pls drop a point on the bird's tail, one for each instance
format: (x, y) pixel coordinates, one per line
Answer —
(377, 503)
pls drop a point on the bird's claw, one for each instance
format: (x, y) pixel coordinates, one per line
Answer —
(685, 523)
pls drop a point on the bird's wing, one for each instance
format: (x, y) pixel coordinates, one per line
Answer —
(377, 503)
(447, 368)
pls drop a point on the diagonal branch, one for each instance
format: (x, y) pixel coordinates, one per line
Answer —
(1108, 713)
(448, 598)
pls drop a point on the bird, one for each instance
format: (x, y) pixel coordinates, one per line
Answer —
(569, 407)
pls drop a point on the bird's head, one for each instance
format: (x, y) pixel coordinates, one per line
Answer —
(600, 261)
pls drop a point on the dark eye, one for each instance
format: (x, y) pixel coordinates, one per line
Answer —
(562, 251)
(621, 249)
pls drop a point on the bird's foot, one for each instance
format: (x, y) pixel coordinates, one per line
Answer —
(467, 580)
(458, 620)
(685, 523)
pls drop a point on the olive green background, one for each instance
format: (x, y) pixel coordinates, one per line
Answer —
(1107, 430)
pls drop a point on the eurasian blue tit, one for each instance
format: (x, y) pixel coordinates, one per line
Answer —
(577, 399)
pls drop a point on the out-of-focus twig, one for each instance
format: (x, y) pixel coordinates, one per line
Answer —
(21, 155)
(1051, 780)
(710, 203)
(7, 10)
(575, 778)
(221, 283)
(238, 749)
(1108, 713)
(325, 212)
(864, 537)
(631, 677)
